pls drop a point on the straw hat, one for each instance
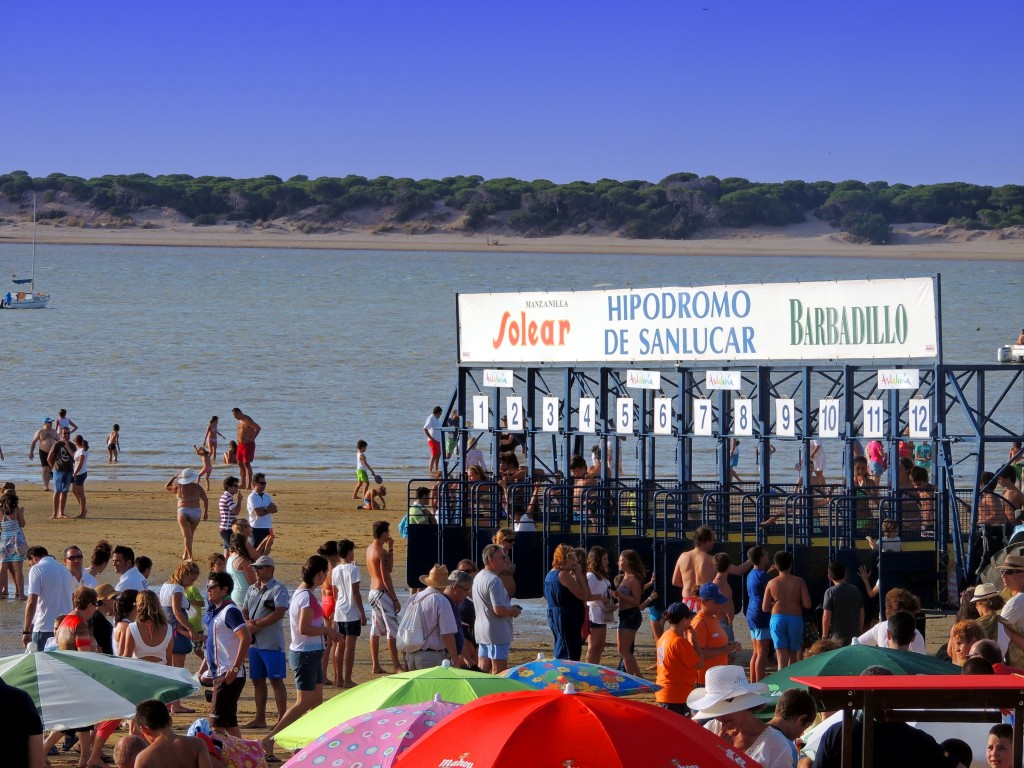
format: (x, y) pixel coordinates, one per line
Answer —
(187, 476)
(1012, 563)
(105, 591)
(437, 578)
(726, 691)
(984, 591)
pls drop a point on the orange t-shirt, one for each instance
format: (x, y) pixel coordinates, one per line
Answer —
(678, 663)
(710, 636)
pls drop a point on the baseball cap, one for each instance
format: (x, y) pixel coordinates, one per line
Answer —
(710, 591)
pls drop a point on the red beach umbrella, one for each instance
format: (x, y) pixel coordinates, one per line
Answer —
(555, 729)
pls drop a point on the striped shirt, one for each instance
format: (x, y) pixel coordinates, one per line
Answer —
(228, 505)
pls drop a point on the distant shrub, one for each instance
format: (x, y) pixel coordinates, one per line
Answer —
(867, 228)
(204, 220)
(55, 213)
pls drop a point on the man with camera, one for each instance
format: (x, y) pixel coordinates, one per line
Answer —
(264, 609)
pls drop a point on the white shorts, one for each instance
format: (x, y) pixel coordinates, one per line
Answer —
(384, 620)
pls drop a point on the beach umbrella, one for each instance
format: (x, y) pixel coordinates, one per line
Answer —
(585, 677)
(73, 690)
(555, 729)
(373, 740)
(854, 659)
(454, 685)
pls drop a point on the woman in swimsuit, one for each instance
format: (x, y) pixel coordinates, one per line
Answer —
(190, 495)
(80, 472)
(210, 440)
(149, 636)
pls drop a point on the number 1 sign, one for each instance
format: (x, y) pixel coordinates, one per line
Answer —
(481, 413)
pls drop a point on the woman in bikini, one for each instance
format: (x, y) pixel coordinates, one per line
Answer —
(190, 495)
(149, 636)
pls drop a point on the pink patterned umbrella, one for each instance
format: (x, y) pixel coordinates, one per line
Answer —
(373, 740)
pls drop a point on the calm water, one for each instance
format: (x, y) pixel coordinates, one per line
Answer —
(323, 348)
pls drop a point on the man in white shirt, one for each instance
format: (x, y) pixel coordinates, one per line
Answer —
(438, 622)
(261, 508)
(50, 586)
(123, 560)
(73, 562)
(432, 429)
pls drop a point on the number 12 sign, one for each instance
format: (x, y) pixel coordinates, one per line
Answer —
(919, 418)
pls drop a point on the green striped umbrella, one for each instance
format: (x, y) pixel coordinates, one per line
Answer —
(454, 685)
(73, 690)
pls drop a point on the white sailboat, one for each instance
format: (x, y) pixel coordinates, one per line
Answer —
(20, 298)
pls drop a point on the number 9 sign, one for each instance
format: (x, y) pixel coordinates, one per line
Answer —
(785, 418)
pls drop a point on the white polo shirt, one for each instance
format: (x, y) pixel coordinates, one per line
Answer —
(53, 586)
(259, 500)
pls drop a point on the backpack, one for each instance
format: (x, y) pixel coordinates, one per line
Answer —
(410, 629)
(403, 527)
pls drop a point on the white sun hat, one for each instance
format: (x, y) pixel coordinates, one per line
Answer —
(726, 690)
(187, 476)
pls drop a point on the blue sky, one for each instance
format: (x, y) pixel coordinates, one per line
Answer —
(915, 92)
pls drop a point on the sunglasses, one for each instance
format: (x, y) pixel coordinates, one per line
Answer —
(74, 557)
(98, 603)
(212, 586)
(1009, 572)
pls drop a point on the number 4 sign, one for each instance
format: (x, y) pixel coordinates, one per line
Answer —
(588, 408)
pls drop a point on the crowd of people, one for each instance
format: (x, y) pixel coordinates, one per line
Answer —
(465, 617)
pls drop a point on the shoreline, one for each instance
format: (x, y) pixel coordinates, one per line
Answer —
(810, 239)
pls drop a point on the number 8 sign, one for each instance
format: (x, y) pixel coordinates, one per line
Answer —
(743, 417)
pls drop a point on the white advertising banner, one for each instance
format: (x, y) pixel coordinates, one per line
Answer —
(851, 319)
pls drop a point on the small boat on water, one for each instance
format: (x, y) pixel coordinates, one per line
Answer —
(20, 298)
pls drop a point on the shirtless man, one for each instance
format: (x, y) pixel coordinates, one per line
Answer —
(786, 598)
(45, 438)
(582, 476)
(992, 510)
(1007, 484)
(697, 566)
(247, 431)
(166, 748)
(380, 561)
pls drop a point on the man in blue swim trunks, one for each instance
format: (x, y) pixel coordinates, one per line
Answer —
(786, 598)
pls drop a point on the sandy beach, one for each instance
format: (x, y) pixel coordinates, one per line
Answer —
(141, 515)
(812, 238)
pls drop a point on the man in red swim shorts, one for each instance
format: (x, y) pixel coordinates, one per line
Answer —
(247, 431)
(432, 429)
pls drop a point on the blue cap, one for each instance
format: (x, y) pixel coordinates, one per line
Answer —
(711, 591)
(678, 612)
(47, 420)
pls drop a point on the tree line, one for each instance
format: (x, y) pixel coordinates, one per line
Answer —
(676, 207)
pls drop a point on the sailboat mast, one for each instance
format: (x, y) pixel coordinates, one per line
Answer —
(33, 242)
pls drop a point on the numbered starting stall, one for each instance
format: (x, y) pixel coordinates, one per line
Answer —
(819, 417)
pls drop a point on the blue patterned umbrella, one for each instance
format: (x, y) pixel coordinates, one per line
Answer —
(585, 677)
